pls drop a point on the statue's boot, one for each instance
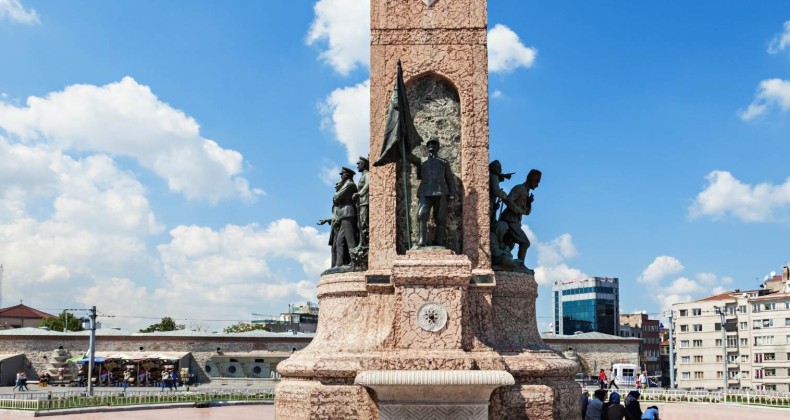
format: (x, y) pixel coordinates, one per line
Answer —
(423, 234)
(441, 236)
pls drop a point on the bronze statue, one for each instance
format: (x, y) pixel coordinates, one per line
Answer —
(361, 198)
(496, 195)
(437, 185)
(519, 203)
(344, 219)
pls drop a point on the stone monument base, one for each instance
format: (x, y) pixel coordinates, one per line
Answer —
(369, 323)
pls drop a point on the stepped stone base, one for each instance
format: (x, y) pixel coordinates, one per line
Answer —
(364, 327)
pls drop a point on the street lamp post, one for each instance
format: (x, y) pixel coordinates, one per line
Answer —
(720, 311)
(92, 350)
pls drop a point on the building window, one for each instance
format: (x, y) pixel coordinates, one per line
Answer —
(769, 306)
(684, 343)
(699, 375)
(744, 342)
(770, 387)
(684, 312)
(719, 358)
(718, 342)
(768, 323)
(697, 327)
(770, 372)
(744, 358)
(743, 326)
(742, 309)
(685, 375)
(732, 358)
(698, 343)
(732, 342)
(787, 322)
(757, 324)
(758, 357)
(698, 359)
(696, 312)
(685, 359)
(769, 357)
(758, 373)
(755, 307)
(684, 328)
(745, 374)
(763, 340)
(719, 374)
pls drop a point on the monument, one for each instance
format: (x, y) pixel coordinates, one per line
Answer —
(428, 331)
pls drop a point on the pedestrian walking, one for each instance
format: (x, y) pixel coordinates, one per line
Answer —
(23, 380)
(602, 379)
(612, 382)
(18, 381)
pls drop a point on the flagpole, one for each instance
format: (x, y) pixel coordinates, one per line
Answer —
(406, 190)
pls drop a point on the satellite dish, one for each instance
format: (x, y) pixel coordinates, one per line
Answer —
(773, 273)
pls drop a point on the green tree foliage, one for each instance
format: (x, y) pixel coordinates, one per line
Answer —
(244, 327)
(166, 324)
(56, 324)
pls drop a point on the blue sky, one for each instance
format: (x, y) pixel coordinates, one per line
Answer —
(171, 158)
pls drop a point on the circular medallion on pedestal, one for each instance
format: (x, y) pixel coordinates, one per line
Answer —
(431, 317)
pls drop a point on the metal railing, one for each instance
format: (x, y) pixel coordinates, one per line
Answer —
(740, 396)
(43, 401)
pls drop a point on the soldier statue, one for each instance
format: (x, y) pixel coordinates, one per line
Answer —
(361, 198)
(343, 236)
(519, 203)
(496, 194)
(437, 185)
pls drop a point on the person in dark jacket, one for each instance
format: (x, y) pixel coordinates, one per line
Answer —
(584, 401)
(615, 411)
(632, 404)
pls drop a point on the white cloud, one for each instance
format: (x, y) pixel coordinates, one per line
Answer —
(661, 267)
(551, 258)
(683, 286)
(771, 93)
(506, 52)
(780, 40)
(329, 174)
(14, 10)
(347, 112)
(497, 94)
(725, 196)
(345, 27)
(666, 300)
(127, 119)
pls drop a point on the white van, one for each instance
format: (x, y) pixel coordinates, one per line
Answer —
(627, 374)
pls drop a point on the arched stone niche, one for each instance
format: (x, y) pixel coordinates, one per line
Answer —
(436, 109)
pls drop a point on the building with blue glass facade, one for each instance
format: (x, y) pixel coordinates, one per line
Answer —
(587, 305)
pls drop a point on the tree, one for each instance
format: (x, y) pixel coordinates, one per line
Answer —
(166, 324)
(56, 323)
(244, 327)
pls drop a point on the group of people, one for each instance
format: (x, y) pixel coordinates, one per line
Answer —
(641, 380)
(21, 381)
(597, 408)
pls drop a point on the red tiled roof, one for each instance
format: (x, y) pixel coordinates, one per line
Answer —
(23, 311)
(723, 296)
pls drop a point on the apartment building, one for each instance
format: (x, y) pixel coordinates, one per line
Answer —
(640, 325)
(755, 344)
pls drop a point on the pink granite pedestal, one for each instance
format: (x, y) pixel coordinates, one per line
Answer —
(365, 326)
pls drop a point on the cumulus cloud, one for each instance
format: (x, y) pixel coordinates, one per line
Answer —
(725, 196)
(551, 259)
(343, 26)
(14, 10)
(126, 119)
(329, 174)
(771, 93)
(506, 52)
(661, 267)
(780, 40)
(347, 113)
